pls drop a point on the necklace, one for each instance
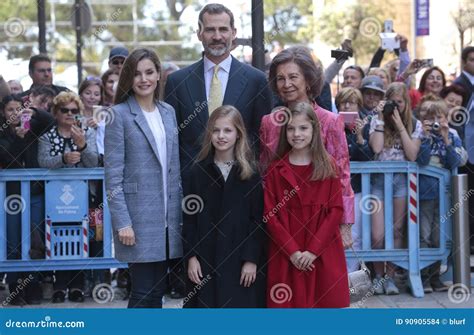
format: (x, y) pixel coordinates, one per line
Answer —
(225, 167)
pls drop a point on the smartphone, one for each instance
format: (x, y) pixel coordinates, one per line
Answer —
(425, 63)
(79, 121)
(349, 118)
(25, 121)
(388, 26)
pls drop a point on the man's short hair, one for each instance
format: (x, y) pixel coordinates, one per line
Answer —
(36, 59)
(465, 52)
(43, 90)
(213, 9)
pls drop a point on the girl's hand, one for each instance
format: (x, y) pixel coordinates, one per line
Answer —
(427, 125)
(92, 123)
(248, 274)
(398, 120)
(444, 131)
(194, 270)
(306, 260)
(78, 136)
(72, 157)
(127, 236)
(379, 109)
(295, 259)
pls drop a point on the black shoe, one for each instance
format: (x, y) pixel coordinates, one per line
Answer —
(58, 297)
(175, 294)
(438, 285)
(76, 295)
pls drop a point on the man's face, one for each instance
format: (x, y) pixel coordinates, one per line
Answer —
(42, 74)
(469, 64)
(116, 63)
(216, 36)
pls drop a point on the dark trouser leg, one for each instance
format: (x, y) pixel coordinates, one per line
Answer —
(148, 284)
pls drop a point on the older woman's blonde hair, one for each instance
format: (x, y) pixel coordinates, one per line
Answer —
(349, 94)
(375, 72)
(64, 98)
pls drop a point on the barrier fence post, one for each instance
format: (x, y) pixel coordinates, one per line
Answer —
(461, 266)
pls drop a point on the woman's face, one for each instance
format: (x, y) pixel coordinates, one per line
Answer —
(12, 113)
(146, 78)
(66, 114)
(434, 82)
(291, 83)
(91, 96)
(349, 105)
(384, 78)
(400, 102)
(453, 100)
(109, 84)
(224, 135)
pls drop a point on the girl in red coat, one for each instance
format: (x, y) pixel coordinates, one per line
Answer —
(303, 210)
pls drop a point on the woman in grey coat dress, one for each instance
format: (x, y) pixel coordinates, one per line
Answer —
(142, 176)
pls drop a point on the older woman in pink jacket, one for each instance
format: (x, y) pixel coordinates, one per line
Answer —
(295, 77)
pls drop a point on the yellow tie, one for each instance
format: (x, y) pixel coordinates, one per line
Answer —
(215, 94)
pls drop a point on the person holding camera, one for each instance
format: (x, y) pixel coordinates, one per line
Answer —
(441, 147)
(394, 136)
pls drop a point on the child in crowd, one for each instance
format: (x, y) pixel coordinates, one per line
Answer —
(441, 147)
(394, 136)
(222, 233)
(303, 210)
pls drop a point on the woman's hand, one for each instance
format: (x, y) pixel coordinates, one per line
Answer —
(78, 136)
(127, 236)
(398, 120)
(72, 157)
(444, 131)
(194, 270)
(306, 260)
(358, 126)
(92, 123)
(295, 259)
(248, 274)
(21, 132)
(379, 109)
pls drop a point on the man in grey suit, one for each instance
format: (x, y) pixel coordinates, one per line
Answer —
(190, 90)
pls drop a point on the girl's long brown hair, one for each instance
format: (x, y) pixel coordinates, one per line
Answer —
(242, 152)
(323, 164)
(390, 132)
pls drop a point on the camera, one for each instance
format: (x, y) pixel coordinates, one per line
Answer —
(435, 126)
(389, 107)
(340, 54)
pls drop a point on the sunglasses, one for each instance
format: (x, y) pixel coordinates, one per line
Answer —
(118, 61)
(67, 110)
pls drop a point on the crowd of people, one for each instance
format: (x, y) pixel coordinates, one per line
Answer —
(265, 156)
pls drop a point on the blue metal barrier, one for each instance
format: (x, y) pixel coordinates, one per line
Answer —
(25, 176)
(413, 258)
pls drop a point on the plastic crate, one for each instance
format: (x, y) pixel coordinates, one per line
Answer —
(67, 242)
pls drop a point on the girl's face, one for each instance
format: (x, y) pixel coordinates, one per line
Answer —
(434, 82)
(400, 102)
(453, 100)
(66, 115)
(384, 78)
(146, 78)
(91, 96)
(291, 84)
(12, 113)
(109, 84)
(224, 135)
(299, 132)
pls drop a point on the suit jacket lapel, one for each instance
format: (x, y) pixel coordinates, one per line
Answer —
(143, 125)
(197, 91)
(235, 84)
